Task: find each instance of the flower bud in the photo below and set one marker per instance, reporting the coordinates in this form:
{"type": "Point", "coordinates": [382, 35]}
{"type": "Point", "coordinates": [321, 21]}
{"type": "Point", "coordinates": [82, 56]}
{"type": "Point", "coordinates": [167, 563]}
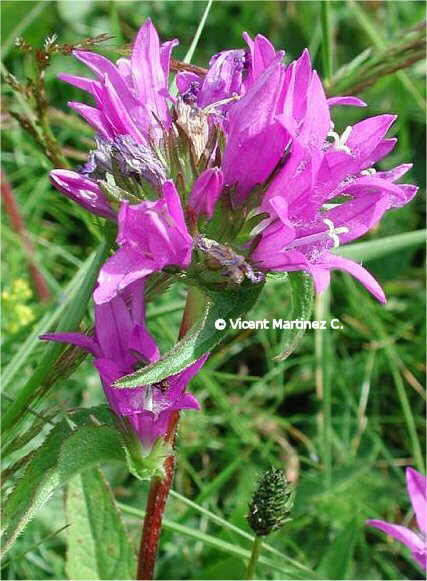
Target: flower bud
{"type": "Point", "coordinates": [83, 191]}
{"type": "Point", "coordinates": [271, 503]}
{"type": "Point", "coordinates": [206, 191]}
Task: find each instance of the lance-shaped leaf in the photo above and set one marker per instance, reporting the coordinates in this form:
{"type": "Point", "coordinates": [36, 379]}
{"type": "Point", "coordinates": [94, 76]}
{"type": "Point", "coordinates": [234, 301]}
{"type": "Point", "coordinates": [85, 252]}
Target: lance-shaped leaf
{"type": "Point", "coordinates": [97, 544]}
{"type": "Point", "coordinates": [301, 303]}
{"type": "Point", "coordinates": [85, 439]}
{"type": "Point", "coordinates": [202, 337]}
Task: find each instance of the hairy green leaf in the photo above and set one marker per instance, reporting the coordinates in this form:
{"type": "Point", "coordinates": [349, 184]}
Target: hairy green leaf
{"type": "Point", "coordinates": [201, 338]}
{"type": "Point", "coordinates": [98, 547]}
{"type": "Point", "coordinates": [84, 439]}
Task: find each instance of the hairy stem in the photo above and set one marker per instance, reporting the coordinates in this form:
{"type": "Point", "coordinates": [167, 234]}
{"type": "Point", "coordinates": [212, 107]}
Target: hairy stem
{"type": "Point", "coordinates": [156, 502]}
{"type": "Point", "coordinates": [160, 487]}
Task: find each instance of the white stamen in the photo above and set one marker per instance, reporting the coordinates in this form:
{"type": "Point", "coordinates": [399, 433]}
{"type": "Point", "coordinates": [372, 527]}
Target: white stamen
{"type": "Point", "coordinates": [346, 134]}
{"type": "Point", "coordinates": [333, 232]}
{"type": "Point", "coordinates": [334, 135]}
{"type": "Point", "coordinates": [340, 141]}
{"type": "Point", "coordinates": [368, 172]}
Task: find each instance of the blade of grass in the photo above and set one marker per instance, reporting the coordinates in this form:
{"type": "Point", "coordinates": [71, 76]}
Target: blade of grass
{"type": "Point", "coordinates": [323, 357]}
{"type": "Point", "coordinates": [392, 357]}
{"type": "Point", "coordinates": [32, 547]}
{"type": "Point", "coordinates": [189, 55]}
{"type": "Point", "coordinates": [327, 39]}
{"type": "Point", "coordinates": [373, 249]}
{"type": "Point", "coordinates": [222, 522]}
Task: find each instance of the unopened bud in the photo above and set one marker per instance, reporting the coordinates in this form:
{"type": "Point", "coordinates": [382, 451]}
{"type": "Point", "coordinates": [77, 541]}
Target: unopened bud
{"type": "Point", "coordinates": [271, 503]}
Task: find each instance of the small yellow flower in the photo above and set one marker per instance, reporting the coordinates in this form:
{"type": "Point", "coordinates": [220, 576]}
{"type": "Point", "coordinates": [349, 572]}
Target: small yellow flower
{"type": "Point", "coordinates": [16, 313]}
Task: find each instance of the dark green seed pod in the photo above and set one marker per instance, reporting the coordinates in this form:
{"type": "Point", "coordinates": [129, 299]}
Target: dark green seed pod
{"type": "Point", "coordinates": [271, 503]}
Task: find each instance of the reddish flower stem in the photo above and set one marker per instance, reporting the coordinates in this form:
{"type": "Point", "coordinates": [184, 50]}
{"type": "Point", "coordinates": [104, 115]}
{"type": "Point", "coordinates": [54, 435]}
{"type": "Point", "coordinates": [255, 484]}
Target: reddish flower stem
{"type": "Point", "coordinates": [157, 497]}
{"type": "Point", "coordinates": [159, 488]}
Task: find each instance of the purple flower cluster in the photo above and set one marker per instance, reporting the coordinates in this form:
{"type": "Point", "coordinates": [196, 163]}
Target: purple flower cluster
{"type": "Point", "coordinates": [244, 160]}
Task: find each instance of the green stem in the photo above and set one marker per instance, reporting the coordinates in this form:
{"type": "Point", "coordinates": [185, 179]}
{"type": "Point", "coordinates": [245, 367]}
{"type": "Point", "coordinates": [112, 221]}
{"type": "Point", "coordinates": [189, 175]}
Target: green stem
{"type": "Point", "coordinates": [256, 551]}
{"type": "Point", "coordinates": [323, 383]}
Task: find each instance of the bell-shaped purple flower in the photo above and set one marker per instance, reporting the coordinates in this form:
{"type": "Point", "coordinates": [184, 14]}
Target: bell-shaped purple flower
{"type": "Point", "coordinates": [415, 541]}
{"type": "Point", "coordinates": [151, 236]}
{"type": "Point", "coordinates": [327, 194]}
{"type": "Point", "coordinates": [120, 343]}
{"type": "Point", "coordinates": [206, 192]}
{"type": "Point", "coordinates": [256, 141]}
{"type": "Point", "coordinates": [131, 97]}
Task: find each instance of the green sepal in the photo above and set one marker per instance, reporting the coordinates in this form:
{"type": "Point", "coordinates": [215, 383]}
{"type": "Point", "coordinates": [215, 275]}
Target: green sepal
{"type": "Point", "coordinates": [116, 194]}
{"type": "Point", "coordinates": [145, 465]}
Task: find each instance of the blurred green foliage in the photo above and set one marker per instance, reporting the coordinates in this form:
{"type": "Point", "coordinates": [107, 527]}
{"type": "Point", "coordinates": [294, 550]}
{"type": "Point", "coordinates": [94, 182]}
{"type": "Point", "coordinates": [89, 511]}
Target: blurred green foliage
{"type": "Point", "coordinates": [255, 411]}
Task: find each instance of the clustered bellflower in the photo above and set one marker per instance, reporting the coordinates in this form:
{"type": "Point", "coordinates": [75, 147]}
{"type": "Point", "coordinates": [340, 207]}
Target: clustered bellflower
{"type": "Point", "coordinates": [416, 485]}
{"type": "Point", "coordinates": [122, 341]}
{"type": "Point", "coordinates": [239, 174]}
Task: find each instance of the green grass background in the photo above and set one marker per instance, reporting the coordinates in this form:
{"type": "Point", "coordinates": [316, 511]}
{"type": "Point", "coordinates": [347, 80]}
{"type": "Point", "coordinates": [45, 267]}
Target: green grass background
{"type": "Point", "coordinates": [336, 415]}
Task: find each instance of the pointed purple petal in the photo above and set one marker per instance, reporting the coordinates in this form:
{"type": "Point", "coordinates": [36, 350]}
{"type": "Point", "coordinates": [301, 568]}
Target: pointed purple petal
{"type": "Point", "coordinates": [206, 191]}
{"type": "Point", "coordinates": [359, 215]}
{"type": "Point", "coordinates": [262, 55]}
{"type": "Point", "coordinates": [165, 55]}
{"type": "Point", "coordinates": [351, 101]}
{"type": "Point", "coordinates": [256, 141]}
{"type": "Point", "coordinates": [394, 174]}
{"type": "Point", "coordinates": [149, 75]}
{"type": "Point", "coordinates": [331, 262]}
{"type": "Point", "coordinates": [402, 534]}
{"type": "Point", "coordinates": [94, 117]}
{"type": "Point", "coordinates": [113, 328]}
{"type": "Point", "coordinates": [188, 402]}
{"type": "Point", "coordinates": [142, 342]}
{"type": "Point", "coordinates": [101, 67]}
{"type": "Point", "coordinates": [78, 339]}
{"type": "Point", "coordinates": [118, 112]}
{"type": "Point", "coordinates": [82, 83]}
{"type": "Point", "coordinates": [366, 135]}
{"type": "Point", "coordinates": [417, 491]}
{"type": "Point", "coordinates": [124, 267]}
{"type": "Point", "coordinates": [383, 149]}
{"type": "Point", "coordinates": [317, 120]}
